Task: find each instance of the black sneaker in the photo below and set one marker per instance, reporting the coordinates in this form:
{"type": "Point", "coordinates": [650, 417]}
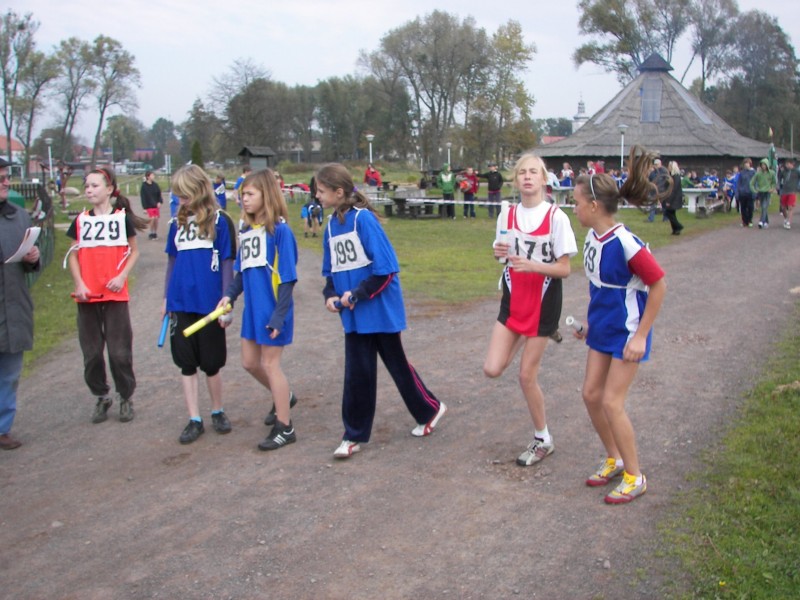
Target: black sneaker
{"type": "Point", "coordinates": [270, 420]}
{"type": "Point", "coordinates": [220, 422]}
{"type": "Point", "coordinates": [191, 432]}
{"type": "Point", "coordinates": [101, 409]}
{"type": "Point", "coordinates": [279, 436]}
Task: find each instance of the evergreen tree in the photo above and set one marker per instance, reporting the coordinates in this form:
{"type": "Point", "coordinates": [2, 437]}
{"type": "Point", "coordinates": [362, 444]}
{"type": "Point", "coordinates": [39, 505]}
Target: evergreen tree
{"type": "Point", "coordinates": [197, 154]}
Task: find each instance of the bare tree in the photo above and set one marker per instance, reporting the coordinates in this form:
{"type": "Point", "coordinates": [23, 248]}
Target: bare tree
{"type": "Point", "coordinates": [506, 94]}
{"type": "Point", "coordinates": [16, 46]}
{"type": "Point", "coordinates": [712, 36]}
{"type": "Point", "coordinates": [39, 73]}
{"type": "Point", "coordinates": [74, 84]}
{"type": "Point", "coordinates": [629, 31]}
{"type": "Point", "coordinates": [437, 56]}
{"type": "Point", "coordinates": [241, 74]}
{"type": "Point", "coordinates": [115, 75]}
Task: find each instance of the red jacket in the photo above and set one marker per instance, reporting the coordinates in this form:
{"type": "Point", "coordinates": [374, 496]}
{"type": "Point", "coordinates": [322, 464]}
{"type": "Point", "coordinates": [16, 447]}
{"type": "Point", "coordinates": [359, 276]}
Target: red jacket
{"type": "Point", "coordinates": [374, 175]}
{"type": "Point", "coordinates": [472, 183]}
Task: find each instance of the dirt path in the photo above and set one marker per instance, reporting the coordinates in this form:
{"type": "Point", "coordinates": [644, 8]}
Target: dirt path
{"type": "Point", "coordinates": [124, 511]}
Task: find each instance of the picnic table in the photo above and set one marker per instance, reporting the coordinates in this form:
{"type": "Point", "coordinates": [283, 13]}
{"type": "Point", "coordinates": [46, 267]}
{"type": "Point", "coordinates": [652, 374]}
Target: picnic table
{"type": "Point", "coordinates": [698, 200]}
{"type": "Point", "coordinates": [415, 208]}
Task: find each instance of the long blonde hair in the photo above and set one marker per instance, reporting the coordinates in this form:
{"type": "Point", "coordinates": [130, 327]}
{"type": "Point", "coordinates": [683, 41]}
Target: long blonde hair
{"type": "Point", "coordinates": [273, 206]}
{"type": "Point", "coordinates": [190, 181]}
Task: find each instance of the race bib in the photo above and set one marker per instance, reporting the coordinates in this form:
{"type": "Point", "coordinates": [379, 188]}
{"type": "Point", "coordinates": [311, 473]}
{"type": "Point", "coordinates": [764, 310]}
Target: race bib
{"type": "Point", "coordinates": [190, 238]}
{"type": "Point", "coordinates": [253, 248]}
{"type": "Point", "coordinates": [347, 253]}
{"type": "Point", "coordinates": [532, 247]}
{"type": "Point", "coordinates": [102, 230]}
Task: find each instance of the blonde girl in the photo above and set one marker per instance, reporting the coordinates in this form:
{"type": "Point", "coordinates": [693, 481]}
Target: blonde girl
{"type": "Point", "coordinates": [201, 247]}
{"type": "Point", "coordinates": [626, 289]}
{"type": "Point", "coordinates": [266, 266]}
{"type": "Point", "coordinates": [102, 255]}
{"type": "Point", "coordinates": [538, 247]}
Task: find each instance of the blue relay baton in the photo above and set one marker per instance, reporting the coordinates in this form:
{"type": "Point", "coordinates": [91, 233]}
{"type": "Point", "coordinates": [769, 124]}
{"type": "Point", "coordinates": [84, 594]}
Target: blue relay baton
{"type": "Point", "coordinates": [164, 328]}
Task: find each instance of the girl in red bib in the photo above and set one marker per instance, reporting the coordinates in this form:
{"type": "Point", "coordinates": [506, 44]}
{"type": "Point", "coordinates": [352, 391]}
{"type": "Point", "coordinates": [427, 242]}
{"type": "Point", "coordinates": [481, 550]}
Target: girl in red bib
{"type": "Point", "coordinates": [102, 255]}
{"type": "Point", "coordinates": [536, 241]}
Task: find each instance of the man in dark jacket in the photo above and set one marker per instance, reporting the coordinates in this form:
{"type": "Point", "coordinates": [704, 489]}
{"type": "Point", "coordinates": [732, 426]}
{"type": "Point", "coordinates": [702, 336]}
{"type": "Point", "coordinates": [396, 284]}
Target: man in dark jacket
{"type": "Point", "coordinates": [16, 307]}
{"type": "Point", "coordinates": [495, 180]}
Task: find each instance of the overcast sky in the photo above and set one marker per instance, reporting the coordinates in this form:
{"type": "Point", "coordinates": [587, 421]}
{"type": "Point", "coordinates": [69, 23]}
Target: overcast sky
{"type": "Point", "coordinates": [180, 45]}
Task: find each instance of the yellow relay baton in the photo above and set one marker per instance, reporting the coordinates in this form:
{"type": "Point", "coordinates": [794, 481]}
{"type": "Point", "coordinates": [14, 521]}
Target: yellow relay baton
{"type": "Point", "coordinates": [212, 316]}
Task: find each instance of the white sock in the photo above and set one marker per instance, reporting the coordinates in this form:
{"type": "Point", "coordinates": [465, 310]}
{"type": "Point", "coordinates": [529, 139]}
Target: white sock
{"type": "Point", "coordinates": [543, 435]}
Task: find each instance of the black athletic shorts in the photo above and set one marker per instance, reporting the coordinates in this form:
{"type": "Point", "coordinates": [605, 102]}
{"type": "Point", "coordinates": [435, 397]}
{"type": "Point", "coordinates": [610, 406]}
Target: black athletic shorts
{"type": "Point", "coordinates": [205, 349]}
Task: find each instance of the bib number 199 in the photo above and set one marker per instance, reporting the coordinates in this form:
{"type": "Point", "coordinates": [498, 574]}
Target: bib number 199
{"type": "Point", "coordinates": [345, 252]}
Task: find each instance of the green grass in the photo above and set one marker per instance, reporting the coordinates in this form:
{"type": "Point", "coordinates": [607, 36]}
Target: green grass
{"type": "Point", "coordinates": [54, 315]}
{"type": "Point", "coordinates": [736, 533]}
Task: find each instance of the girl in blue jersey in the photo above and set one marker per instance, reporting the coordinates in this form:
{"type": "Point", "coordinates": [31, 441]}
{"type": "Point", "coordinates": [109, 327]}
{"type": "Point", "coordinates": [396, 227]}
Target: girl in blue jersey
{"type": "Point", "coordinates": [266, 270]}
{"type": "Point", "coordinates": [362, 285]}
{"type": "Point", "coordinates": [626, 289]}
{"type": "Point", "coordinates": [201, 246]}
{"type": "Point", "coordinates": [537, 247]}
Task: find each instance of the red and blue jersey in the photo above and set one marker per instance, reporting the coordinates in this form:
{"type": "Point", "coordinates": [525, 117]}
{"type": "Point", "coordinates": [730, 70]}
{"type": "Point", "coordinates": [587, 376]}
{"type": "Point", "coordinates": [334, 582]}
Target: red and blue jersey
{"type": "Point", "coordinates": [620, 269]}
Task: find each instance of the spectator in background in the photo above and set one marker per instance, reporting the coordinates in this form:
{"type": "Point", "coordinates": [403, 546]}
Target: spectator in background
{"type": "Point", "coordinates": [237, 187]}
{"type": "Point", "coordinates": [789, 183]}
{"type": "Point", "coordinates": [674, 202]}
{"type": "Point", "coordinates": [744, 195]}
{"type": "Point", "coordinates": [657, 173]}
{"type": "Point", "coordinates": [150, 195]}
{"type": "Point", "coordinates": [762, 185]}
{"type": "Point", "coordinates": [447, 183]}
{"type": "Point", "coordinates": [372, 177]}
{"type": "Point", "coordinates": [566, 175]}
{"type": "Point", "coordinates": [470, 188]}
{"type": "Point", "coordinates": [495, 180]}
{"type": "Point", "coordinates": [16, 328]}
{"type": "Point", "coordinates": [220, 192]}
{"type": "Point", "coordinates": [64, 173]}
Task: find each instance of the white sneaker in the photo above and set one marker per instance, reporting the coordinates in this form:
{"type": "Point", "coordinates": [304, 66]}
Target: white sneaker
{"type": "Point", "coordinates": [424, 429]}
{"type": "Point", "coordinates": [766, 225]}
{"type": "Point", "coordinates": [787, 225]}
{"type": "Point", "coordinates": [536, 451]}
{"type": "Point", "coordinates": [346, 449]}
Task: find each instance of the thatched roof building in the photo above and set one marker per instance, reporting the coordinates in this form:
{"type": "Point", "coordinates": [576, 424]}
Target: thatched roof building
{"type": "Point", "coordinates": [656, 111]}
